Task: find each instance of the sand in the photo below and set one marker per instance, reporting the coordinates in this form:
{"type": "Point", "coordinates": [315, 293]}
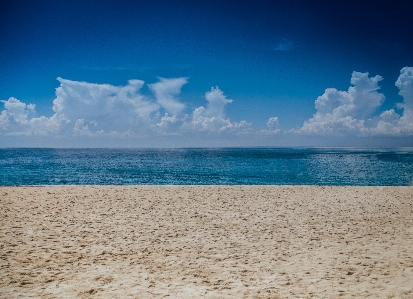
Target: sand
{"type": "Point", "coordinates": [206, 242]}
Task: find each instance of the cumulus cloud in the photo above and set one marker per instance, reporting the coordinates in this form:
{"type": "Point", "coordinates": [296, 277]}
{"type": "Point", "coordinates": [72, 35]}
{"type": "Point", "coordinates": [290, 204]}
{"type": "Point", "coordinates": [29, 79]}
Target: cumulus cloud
{"type": "Point", "coordinates": [15, 115]}
{"type": "Point", "coordinates": [351, 112]}
{"type": "Point", "coordinates": [89, 109]}
{"type": "Point", "coordinates": [166, 91]}
{"type": "Point", "coordinates": [212, 118]}
{"type": "Point", "coordinates": [343, 111]}
{"type": "Point", "coordinates": [19, 118]}
{"type": "Point", "coordinates": [170, 125]}
{"type": "Point", "coordinates": [391, 123]}
{"type": "Point", "coordinates": [98, 108]}
{"type": "Point", "coordinates": [272, 125]}
{"type": "Point", "coordinates": [405, 85]}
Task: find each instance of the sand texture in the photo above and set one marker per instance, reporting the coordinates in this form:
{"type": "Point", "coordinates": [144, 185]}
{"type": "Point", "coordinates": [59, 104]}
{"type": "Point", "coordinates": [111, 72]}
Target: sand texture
{"type": "Point", "coordinates": [206, 242]}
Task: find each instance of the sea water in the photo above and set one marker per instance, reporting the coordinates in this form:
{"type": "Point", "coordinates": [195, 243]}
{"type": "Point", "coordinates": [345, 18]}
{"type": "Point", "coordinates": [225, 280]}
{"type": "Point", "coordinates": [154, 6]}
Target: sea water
{"type": "Point", "coordinates": [206, 166]}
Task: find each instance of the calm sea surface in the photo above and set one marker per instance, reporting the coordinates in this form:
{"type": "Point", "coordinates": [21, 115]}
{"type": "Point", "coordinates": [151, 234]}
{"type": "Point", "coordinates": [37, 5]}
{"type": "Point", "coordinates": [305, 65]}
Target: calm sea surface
{"type": "Point", "coordinates": [223, 166]}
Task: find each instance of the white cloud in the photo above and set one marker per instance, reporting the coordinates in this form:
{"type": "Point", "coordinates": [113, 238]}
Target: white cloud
{"type": "Point", "coordinates": [19, 118]}
{"type": "Point", "coordinates": [103, 108]}
{"type": "Point", "coordinates": [170, 125]}
{"type": "Point", "coordinates": [166, 91]}
{"type": "Point", "coordinates": [89, 109]}
{"type": "Point", "coordinates": [405, 84]}
{"type": "Point", "coordinates": [18, 111]}
{"type": "Point", "coordinates": [359, 101]}
{"type": "Point", "coordinates": [364, 96]}
{"type": "Point", "coordinates": [272, 125]}
{"type": "Point", "coordinates": [391, 123]}
{"type": "Point", "coordinates": [212, 119]}
{"type": "Point", "coordinates": [351, 112]}
{"type": "Point", "coordinates": [216, 103]}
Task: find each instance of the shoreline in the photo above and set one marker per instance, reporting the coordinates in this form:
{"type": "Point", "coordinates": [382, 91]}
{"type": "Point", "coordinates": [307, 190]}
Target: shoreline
{"type": "Point", "coordinates": [198, 186]}
{"type": "Point", "coordinates": [210, 241]}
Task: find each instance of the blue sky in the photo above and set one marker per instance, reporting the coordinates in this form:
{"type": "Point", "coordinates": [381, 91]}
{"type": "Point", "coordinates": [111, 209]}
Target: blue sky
{"type": "Point", "coordinates": [206, 73]}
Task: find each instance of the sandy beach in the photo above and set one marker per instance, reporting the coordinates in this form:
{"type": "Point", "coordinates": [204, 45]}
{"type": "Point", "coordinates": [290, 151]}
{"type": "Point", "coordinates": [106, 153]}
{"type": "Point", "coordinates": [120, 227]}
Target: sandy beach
{"type": "Point", "coordinates": [206, 242]}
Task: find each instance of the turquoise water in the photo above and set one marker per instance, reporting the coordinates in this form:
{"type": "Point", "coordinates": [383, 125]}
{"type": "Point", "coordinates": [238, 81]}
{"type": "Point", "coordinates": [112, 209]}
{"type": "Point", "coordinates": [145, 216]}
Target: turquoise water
{"type": "Point", "coordinates": [221, 166]}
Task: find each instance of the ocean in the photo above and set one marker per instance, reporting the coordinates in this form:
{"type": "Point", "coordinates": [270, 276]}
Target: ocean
{"type": "Point", "coordinates": [207, 166]}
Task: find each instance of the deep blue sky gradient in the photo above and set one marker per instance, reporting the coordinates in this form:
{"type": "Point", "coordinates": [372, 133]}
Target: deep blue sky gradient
{"type": "Point", "coordinates": [270, 57]}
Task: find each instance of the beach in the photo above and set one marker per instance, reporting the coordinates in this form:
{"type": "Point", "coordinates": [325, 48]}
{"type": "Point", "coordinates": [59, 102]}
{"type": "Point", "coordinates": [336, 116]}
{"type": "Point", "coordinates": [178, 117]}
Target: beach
{"type": "Point", "coordinates": [206, 242]}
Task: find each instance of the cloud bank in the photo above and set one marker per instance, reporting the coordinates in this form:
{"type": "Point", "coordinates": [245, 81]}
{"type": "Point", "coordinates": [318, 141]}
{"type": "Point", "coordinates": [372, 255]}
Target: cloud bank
{"type": "Point", "coordinates": [88, 109]}
{"type": "Point", "coordinates": [98, 110]}
{"type": "Point", "coordinates": [351, 112]}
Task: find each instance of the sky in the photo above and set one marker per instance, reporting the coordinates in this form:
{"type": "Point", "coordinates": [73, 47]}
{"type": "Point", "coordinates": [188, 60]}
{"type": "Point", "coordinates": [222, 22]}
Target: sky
{"type": "Point", "coordinates": [206, 73]}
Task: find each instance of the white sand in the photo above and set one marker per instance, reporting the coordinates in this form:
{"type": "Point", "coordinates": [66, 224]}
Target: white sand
{"type": "Point", "coordinates": [209, 242]}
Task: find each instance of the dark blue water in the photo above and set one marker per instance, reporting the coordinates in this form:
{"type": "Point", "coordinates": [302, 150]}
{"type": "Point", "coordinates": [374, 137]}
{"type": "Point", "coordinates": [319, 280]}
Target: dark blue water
{"type": "Point", "coordinates": [224, 166]}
